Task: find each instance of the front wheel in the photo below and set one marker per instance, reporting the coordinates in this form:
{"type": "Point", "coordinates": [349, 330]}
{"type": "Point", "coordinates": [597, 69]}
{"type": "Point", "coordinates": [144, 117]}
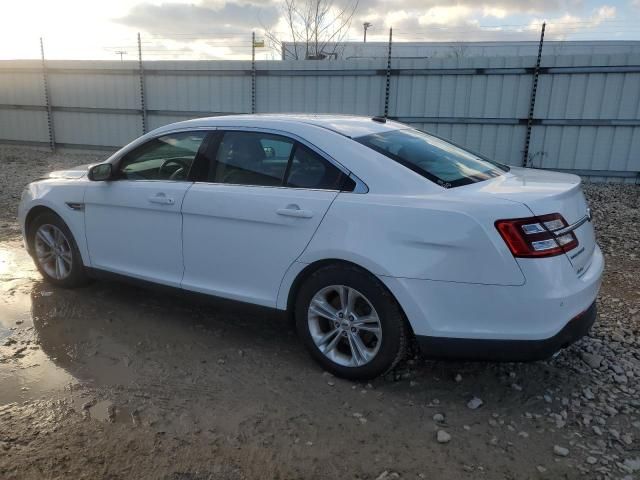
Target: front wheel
{"type": "Point", "coordinates": [350, 323]}
{"type": "Point", "coordinates": [55, 251]}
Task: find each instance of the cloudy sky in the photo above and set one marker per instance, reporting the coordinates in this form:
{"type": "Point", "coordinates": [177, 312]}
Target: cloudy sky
{"type": "Point", "coordinates": [193, 29]}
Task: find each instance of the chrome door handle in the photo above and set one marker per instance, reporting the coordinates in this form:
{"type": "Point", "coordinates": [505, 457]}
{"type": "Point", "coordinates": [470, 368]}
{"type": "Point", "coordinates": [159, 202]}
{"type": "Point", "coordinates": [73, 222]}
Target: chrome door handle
{"type": "Point", "coordinates": [294, 211]}
{"type": "Point", "coordinates": [162, 199]}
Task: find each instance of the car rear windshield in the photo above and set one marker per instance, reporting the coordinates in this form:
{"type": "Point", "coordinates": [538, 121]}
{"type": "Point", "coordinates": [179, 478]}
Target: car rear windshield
{"type": "Point", "coordinates": [433, 158]}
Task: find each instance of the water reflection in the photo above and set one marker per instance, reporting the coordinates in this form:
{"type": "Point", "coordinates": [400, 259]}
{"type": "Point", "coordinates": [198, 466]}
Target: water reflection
{"type": "Point", "coordinates": [26, 372]}
{"type": "Point", "coordinates": [110, 336]}
{"type": "Point", "coordinates": [75, 328]}
{"type": "Point", "coordinates": [46, 341]}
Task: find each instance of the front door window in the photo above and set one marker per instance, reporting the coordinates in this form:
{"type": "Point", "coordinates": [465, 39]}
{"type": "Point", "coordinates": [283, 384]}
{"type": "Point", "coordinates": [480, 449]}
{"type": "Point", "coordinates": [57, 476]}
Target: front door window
{"type": "Point", "coordinates": [164, 158]}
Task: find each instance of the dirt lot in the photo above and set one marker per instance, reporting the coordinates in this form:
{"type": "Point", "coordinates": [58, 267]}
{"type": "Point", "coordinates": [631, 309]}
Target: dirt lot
{"type": "Point", "coordinates": [115, 382]}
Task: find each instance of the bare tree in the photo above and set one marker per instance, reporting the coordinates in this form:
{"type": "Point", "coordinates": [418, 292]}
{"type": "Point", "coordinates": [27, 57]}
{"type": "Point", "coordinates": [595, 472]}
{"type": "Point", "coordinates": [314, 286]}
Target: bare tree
{"type": "Point", "coordinates": [458, 51]}
{"type": "Point", "coordinates": [316, 27]}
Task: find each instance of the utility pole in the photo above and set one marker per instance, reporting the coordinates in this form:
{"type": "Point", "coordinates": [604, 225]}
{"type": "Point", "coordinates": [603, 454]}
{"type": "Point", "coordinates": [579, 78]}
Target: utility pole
{"type": "Point", "coordinates": [121, 53]}
{"type": "Point", "coordinates": [253, 72]}
{"type": "Point", "coordinates": [532, 101]}
{"type": "Point", "coordinates": [47, 99]}
{"type": "Point", "coordinates": [143, 101]}
{"type": "Point", "coordinates": [388, 86]}
{"type": "Point", "coordinates": [367, 26]}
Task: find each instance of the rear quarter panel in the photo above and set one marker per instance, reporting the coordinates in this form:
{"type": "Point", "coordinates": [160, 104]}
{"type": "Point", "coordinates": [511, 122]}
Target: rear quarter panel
{"type": "Point", "coordinates": [441, 237]}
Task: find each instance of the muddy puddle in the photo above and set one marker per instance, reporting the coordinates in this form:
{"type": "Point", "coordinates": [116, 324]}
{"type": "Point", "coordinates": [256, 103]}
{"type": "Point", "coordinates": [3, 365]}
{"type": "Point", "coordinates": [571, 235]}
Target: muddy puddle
{"type": "Point", "coordinates": [26, 371]}
{"type": "Point", "coordinates": [123, 366]}
{"type": "Point", "coordinates": [118, 353]}
{"type": "Point", "coordinates": [46, 346]}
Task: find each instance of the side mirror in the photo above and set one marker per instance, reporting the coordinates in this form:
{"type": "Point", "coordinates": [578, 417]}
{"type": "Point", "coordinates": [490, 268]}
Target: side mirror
{"type": "Point", "coordinates": [100, 173]}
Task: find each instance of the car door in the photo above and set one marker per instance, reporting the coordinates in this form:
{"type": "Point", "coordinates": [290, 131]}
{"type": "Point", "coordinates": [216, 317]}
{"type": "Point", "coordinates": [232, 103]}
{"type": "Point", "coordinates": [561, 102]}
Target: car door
{"type": "Point", "coordinates": [133, 222]}
{"type": "Point", "coordinates": [261, 201]}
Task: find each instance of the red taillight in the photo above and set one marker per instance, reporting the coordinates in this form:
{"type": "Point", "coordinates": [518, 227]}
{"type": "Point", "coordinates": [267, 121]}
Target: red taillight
{"type": "Point", "coordinates": [534, 237]}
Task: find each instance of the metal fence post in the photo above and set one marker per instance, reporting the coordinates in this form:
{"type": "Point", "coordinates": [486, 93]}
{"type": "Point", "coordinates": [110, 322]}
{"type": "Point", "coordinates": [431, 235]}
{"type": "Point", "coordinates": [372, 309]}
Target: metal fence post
{"type": "Point", "coordinates": [47, 99]}
{"type": "Point", "coordinates": [143, 101]}
{"type": "Point", "coordinates": [532, 100]}
{"type": "Point", "coordinates": [253, 72]}
{"type": "Point", "coordinates": [388, 87]}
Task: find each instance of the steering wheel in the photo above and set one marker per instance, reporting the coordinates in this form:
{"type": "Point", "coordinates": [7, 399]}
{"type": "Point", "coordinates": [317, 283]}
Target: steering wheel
{"type": "Point", "coordinates": [183, 167]}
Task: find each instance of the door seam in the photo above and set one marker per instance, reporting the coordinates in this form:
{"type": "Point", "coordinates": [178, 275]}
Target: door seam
{"type": "Point", "coordinates": [184, 268]}
{"type": "Point", "coordinates": [84, 226]}
{"type": "Point", "coordinates": [305, 247]}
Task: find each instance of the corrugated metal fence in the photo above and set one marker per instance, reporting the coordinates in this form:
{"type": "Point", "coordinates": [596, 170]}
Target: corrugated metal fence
{"type": "Point", "coordinates": [586, 117]}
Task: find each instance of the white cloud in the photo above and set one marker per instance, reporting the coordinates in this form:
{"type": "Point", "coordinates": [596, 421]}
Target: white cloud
{"type": "Point", "coordinates": [503, 7]}
{"type": "Point", "coordinates": [494, 12]}
{"type": "Point", "coordinates": [562, 27]}
{"type": "Point", "coordinates": [222, 28]}
{"type": "Point", "coordinates": [445, 15]}
{"type": "Point", "coordinates": [426, 20]}
{"type": "Point", "coordinates": [462, 22]}
{"type": "Point", "coordinates": [208, 29]}
{"type": "Point", "coordinates": [208, 16]}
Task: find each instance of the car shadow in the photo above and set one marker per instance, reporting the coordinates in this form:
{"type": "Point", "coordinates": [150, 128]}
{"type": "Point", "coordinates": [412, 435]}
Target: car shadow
{"type": "Point", "coordinates": [112, 332]}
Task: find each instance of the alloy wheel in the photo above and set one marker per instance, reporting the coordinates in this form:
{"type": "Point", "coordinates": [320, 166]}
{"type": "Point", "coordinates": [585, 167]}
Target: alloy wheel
{"type": "Point", "coordinates": [53, 251]}
{"type": "Point", "coordinates": [344, 326]}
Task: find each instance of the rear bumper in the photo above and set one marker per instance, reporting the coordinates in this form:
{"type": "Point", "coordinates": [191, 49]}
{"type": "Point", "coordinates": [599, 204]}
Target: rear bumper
{"type": "Point", "coordinates": [536, 311]}
{"type": "Point", "coordinates": [508, 350]}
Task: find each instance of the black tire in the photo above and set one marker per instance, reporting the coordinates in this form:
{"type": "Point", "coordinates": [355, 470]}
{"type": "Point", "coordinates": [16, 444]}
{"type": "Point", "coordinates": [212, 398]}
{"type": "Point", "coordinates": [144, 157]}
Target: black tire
{"type": "Point", "coordinates": [77, 276]}
{"type": "Point", "coordinates": [394, 327]}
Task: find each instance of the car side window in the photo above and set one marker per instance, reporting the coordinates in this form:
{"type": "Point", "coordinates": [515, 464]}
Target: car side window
{"type": "Point", "coordinates": [164, 158]}
{"type": "Point", "coordinates": [251, 158]}
{"type": "Point", "coordinates": [310, 170]}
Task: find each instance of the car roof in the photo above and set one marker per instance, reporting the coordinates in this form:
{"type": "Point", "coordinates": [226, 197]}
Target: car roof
{"type": "Point", "coordinates": [351, 126]}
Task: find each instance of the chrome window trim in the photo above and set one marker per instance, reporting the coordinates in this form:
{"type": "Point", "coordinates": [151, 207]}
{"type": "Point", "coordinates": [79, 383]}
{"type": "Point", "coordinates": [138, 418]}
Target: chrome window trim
{"type": "Point", "coordinates": [117, 157]}
{"type": "Point", "coordinates": [268, 186]}
{"type": "Point", "coordinates": [360, 187]}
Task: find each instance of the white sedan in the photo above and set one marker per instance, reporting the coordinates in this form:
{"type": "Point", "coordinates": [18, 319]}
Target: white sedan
{"type": "Point", "coordinates": [368, 232]}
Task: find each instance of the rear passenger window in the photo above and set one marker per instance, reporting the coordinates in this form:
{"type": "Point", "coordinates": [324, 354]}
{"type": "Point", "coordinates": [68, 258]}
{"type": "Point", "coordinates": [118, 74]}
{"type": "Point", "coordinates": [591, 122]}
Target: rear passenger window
{"type": "Point", "coordinates": [250, 158]}
{"type": "Point", "coordinates": [267, 160]}
{"type": "Point", "coordinates": [310, 170]}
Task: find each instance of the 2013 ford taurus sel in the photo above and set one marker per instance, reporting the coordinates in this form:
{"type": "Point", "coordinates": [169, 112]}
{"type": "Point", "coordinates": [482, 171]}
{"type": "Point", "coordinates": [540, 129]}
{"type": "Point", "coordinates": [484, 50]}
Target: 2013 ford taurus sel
{"type": "Point", "coordinates": [369, 232]}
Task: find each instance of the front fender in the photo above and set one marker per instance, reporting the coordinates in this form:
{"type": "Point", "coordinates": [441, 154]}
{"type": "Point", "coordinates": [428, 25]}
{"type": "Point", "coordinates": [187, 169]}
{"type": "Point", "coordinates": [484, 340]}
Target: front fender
{"type": "Point", "coordinates": [42, 194]}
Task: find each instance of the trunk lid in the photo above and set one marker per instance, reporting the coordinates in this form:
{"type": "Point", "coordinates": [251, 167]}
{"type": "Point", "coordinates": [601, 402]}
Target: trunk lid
{"type": "Point", "coordinates": [545, 192]}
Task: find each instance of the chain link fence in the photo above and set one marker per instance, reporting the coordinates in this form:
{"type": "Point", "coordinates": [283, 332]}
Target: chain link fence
{"type": "Point", "coordinates": [573, 112]}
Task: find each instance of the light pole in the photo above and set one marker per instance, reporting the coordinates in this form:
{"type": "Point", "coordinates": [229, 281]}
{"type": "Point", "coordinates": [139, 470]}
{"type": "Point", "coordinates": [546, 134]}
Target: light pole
{"type": "Point", "coordinates": [121, 53]}
{"type": "Point", "coordinates": [366, 26]}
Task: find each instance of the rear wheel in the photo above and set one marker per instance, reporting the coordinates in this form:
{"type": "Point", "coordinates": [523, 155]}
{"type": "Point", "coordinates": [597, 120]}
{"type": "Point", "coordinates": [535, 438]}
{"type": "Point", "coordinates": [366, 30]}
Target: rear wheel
{"type": "Point", "coordinates": [350, 323]}
{"type": "Point", "coordinates": [55, 251]}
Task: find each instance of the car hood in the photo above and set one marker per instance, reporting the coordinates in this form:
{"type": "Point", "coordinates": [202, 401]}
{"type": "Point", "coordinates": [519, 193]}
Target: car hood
{"type": "Point", "coordinates": [71, 173]}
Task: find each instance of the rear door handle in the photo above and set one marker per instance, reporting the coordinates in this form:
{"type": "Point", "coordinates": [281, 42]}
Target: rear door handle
{"type": "Point", "coordinates": [162, 199]}
{"type": "Point", "coordinates": [294, 211]}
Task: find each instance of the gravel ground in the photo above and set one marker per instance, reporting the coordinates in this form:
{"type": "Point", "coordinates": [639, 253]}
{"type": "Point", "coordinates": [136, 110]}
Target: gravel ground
{"type": "Point", "coordinates": [115, 382]}
{"type": "Point", "coordinates": [18, 167]}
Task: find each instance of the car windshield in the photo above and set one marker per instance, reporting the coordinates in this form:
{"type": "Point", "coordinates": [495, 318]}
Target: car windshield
{"type": "Point", "coordinates": [433, 158]}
